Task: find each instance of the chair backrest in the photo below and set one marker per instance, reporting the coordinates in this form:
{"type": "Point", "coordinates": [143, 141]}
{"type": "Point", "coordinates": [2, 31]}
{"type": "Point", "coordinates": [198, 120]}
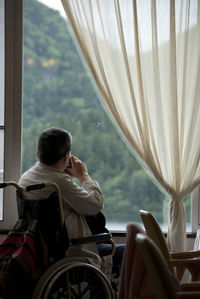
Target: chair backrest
{"type": "Point", "coordinates": [134, 279]}
{"type": "Point", "coordinates": [154, 232]}
{"type": "Point", "coordinates": [164, 283]}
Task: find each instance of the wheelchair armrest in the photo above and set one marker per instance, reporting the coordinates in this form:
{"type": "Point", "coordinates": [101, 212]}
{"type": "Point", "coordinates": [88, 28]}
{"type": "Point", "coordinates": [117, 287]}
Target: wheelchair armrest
{"type": "Point", "coordinates": [92, 239]}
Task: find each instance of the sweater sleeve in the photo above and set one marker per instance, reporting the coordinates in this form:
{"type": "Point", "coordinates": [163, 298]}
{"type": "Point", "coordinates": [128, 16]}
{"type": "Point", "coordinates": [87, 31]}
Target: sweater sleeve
{"type": "Point", "coordinates": [86, 199]}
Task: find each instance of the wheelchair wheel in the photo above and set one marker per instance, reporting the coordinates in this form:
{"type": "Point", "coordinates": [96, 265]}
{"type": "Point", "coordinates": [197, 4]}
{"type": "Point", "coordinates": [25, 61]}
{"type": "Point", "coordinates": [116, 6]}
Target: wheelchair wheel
{"type": "Point", "coordinates": [73, 280]}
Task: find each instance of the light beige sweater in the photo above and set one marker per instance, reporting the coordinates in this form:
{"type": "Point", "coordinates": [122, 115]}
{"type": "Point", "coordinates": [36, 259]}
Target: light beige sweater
{"type": "Point", "coordinates": [78, 201]}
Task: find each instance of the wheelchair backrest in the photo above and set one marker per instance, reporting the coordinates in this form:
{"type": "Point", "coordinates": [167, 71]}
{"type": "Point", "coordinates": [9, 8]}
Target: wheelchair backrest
{"type": "Point", "coordinates": [47, 212]}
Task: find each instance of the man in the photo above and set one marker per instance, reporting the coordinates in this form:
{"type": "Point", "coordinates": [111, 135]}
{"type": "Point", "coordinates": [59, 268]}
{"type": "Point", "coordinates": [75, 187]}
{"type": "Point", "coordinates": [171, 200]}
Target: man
{"type": "Point", "coordinates": [53, 153]}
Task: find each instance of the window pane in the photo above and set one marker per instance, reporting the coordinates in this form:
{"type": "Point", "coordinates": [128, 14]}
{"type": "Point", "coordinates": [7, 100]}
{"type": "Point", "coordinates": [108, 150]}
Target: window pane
{"type": "Point", "coordinates": [57, 92]}
{"type": "Point", "coordinates": [1, 151]}
{"type": "Point", "coordinates": [1, 171]}
{"type": "Point", "coordinates": [2, 99]}
{"type": "Point", "coordinates": [2, 59]}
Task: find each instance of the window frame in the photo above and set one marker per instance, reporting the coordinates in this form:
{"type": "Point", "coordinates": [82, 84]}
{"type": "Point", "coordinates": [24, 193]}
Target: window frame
{"type": "Point", "coordinates": [13, 107]}
{"type": "Point", "coordinates": [195, 210]}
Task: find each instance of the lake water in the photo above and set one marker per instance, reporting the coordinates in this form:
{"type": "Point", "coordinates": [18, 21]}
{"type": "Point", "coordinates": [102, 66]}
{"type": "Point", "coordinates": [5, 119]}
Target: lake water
{"type": "Point", "coordinates": [119, 226]}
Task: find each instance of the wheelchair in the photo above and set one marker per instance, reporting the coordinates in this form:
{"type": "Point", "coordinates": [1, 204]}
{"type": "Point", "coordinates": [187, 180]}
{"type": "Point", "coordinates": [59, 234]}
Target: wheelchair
{"type": "Point", "coordinates": [61, 276]}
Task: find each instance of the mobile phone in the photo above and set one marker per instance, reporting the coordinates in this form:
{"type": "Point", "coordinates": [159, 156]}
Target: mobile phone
{"type": "Point", "coordinates": [69, 163]}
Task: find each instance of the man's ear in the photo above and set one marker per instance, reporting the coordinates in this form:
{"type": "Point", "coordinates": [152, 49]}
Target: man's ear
{"type": "Point", "coordinates": [66, 157]}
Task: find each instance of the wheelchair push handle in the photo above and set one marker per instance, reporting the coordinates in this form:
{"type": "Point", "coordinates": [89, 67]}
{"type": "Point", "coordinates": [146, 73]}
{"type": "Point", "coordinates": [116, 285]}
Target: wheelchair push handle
{"type": "Point", "coordinates": [9, 183]}
{"type": "Point", "coordinates": [3, 185]}
{"type": "Point", "coordinates": [35, 187]}
{"type": "Point", "coordinates": [41, 186]}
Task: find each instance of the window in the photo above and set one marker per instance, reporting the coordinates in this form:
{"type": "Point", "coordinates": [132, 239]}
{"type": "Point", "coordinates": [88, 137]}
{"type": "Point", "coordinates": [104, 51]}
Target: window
{"type": "Point", "coordinates": [10, 101]}
{"type": "Point", "coordinates": [57, 92]}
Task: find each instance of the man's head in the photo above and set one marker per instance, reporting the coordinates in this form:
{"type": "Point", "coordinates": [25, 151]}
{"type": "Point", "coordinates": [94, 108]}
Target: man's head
{"type": "Point", "coordinates": [53, 145]}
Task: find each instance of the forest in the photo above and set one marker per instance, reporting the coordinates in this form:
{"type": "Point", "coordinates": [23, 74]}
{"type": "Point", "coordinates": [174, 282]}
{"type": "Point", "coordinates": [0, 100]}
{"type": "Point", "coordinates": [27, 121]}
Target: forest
{"type": "Point", "coordinates": [58, 92]}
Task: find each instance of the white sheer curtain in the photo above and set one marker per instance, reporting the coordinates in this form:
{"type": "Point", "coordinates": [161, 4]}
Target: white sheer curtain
{"type": "Point", "coordinates": [145, 59]}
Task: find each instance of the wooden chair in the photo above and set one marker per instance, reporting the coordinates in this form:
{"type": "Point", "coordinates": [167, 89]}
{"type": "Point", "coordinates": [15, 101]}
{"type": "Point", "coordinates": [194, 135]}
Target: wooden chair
{"type": "Point", "coordinates": [178, 262]}
{"type": "Point", "coordinates": [163, 282]}
{"type": "Point", "coordinates": [134, 279]}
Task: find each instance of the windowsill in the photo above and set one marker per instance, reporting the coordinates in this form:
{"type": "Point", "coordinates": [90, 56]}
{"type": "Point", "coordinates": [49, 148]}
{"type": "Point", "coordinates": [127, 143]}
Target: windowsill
{"type": "Point", "coordinates": [123, 234]}
{"type": "Point", "coordinates": [114, 233]}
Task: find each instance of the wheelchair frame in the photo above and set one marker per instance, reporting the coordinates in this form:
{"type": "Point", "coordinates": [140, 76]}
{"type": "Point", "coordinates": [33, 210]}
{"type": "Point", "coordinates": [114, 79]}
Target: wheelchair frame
{"type": "Point", "coordinates": [70, 277]}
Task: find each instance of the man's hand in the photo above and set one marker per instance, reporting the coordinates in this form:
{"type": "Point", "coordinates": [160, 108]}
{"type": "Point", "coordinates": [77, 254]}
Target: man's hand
{"type": "Point", "coordinates": [78, 170]}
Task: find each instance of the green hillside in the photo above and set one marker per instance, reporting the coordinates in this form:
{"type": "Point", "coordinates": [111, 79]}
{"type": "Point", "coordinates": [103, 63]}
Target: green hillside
{"type": "Point", "coordinates": [57, 92]}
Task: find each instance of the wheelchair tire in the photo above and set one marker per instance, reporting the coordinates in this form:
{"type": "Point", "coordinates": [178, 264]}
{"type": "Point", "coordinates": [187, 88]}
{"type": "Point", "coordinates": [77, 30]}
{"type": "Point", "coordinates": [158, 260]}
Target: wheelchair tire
{"type": "Point", "coordinates": [73, 280]}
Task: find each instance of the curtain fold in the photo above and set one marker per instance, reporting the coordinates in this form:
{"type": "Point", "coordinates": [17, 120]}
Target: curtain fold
{"type": "Point", "coordinates": [144, 57]}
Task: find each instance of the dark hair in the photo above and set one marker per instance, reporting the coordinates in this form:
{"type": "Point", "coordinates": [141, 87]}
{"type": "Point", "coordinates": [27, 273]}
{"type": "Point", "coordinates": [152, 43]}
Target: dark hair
{"type": "Point", "coordinates": [53, 144]}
